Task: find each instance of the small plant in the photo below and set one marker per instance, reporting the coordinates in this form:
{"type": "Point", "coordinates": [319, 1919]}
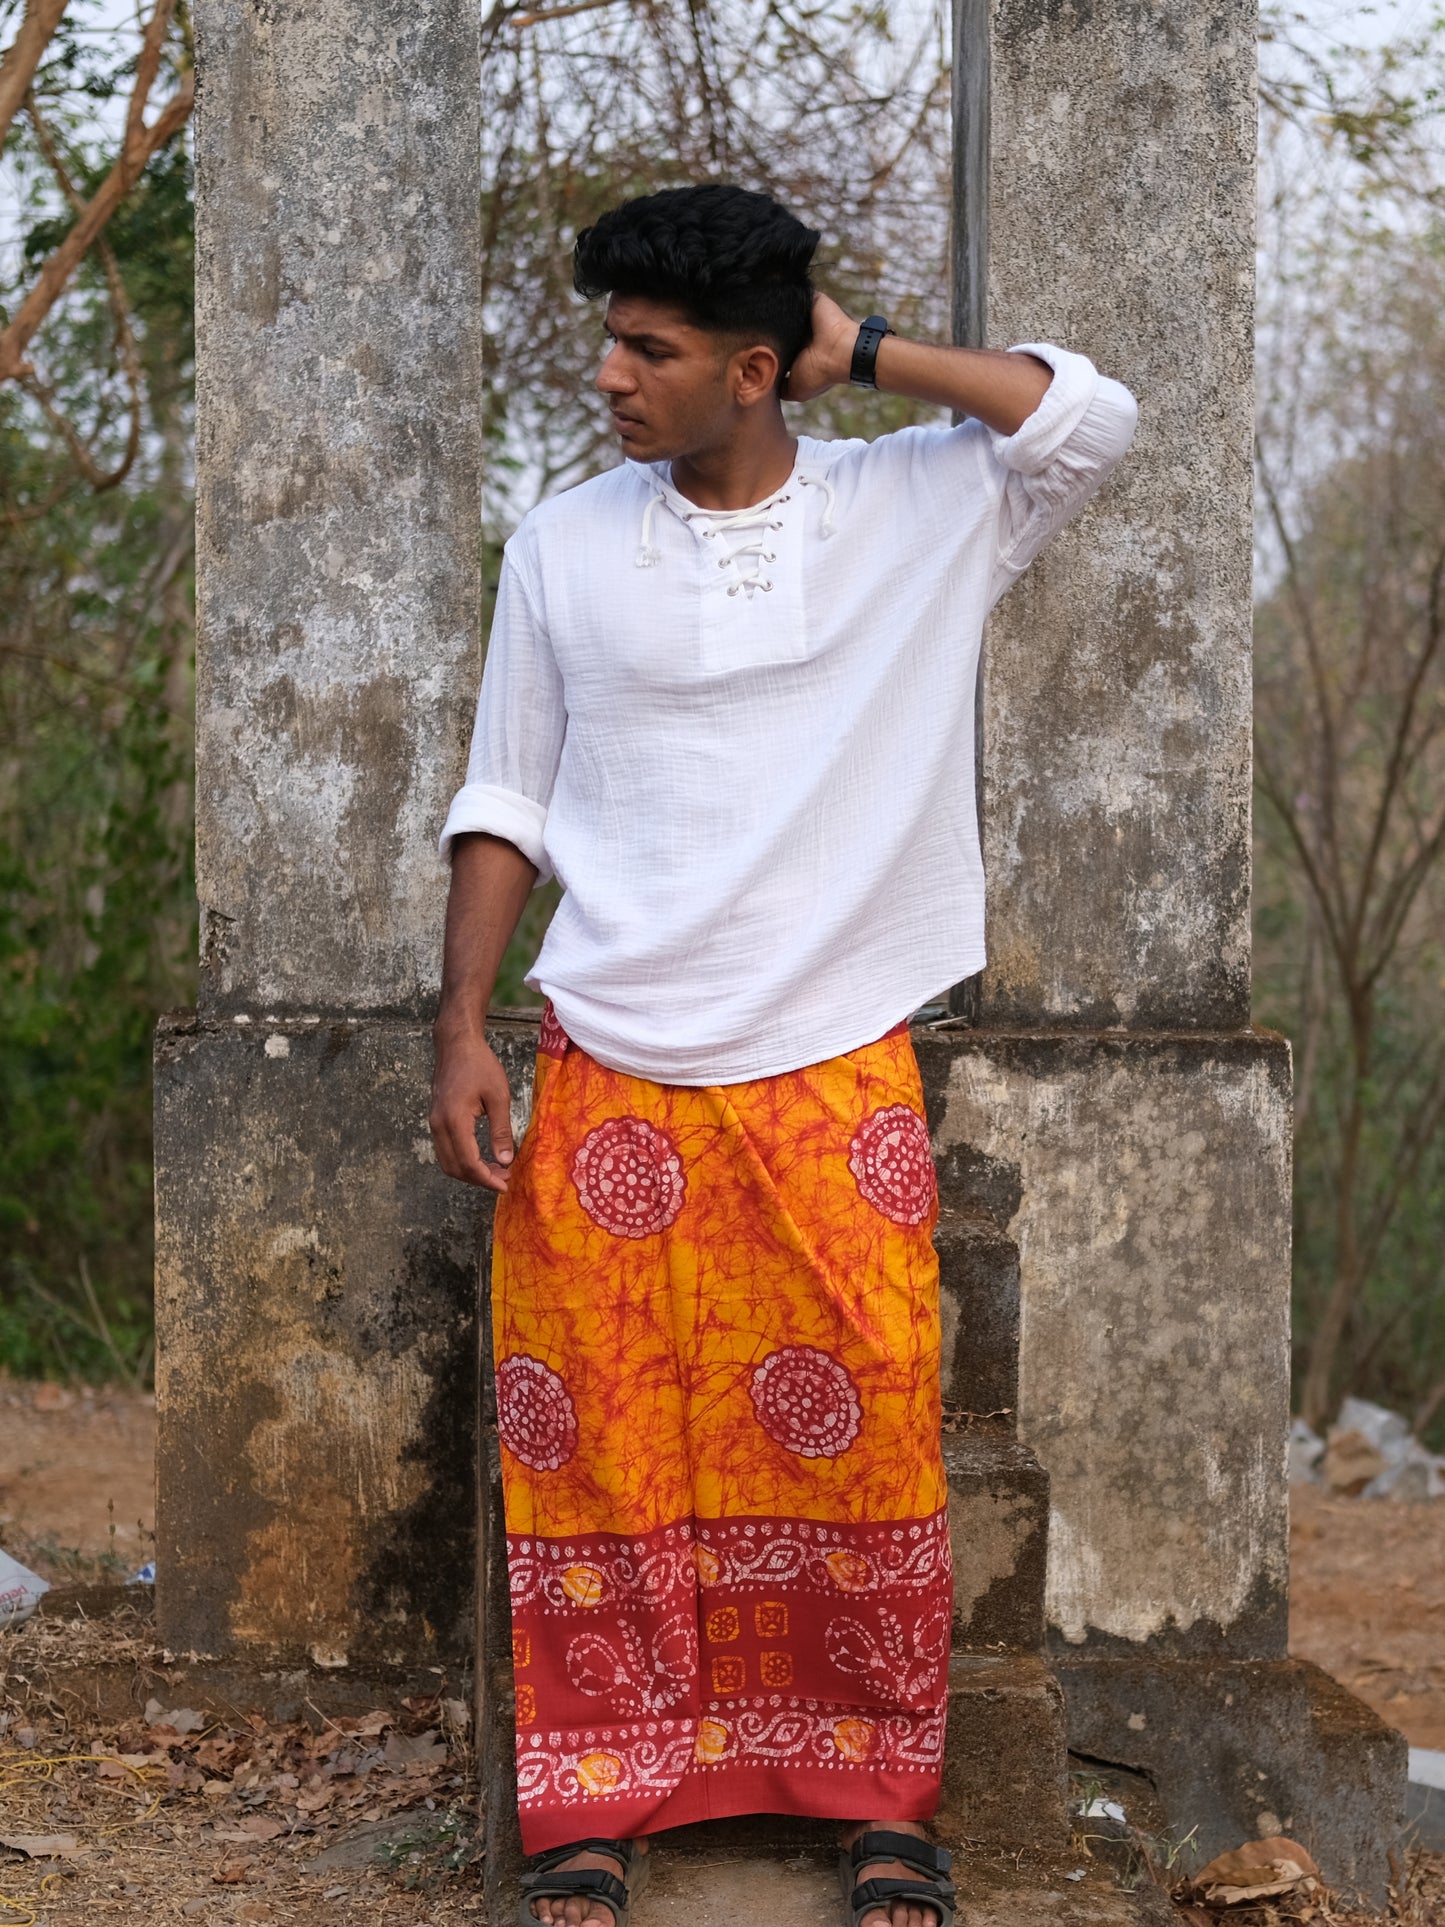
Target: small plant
{"type": "Point", "coordinates": [437, 1845]}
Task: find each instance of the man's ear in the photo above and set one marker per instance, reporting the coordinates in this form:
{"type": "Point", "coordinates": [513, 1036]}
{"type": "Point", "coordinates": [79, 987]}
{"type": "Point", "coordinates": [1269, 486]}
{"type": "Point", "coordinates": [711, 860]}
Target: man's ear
{"type": "Point", "coordinates": [754, 373]}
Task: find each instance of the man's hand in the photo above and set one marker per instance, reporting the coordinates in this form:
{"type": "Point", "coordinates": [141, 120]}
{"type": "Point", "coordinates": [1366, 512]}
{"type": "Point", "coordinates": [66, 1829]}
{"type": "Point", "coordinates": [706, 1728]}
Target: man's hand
{"type": "Point", "coordinates": [828, 357]}
{"type": "Point", "coordinates": [491, 881]}
{"type": "Point", "coordinates": [469, 1082]}
{"type": "Point", "coordinates": [1002, 389]}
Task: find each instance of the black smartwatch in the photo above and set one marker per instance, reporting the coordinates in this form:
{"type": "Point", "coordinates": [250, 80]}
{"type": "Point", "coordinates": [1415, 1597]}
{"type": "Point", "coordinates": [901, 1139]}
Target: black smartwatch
{"type": "Point", "coordinates": [865, 351]}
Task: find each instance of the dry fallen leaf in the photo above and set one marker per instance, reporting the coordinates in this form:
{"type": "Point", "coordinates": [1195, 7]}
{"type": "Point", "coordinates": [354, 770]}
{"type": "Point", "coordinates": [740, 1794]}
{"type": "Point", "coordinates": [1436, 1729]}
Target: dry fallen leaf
{"type": "Point", "coordinates": [426, 1749]}
{"type": "Point", "coordinates": [259, 1827]}
{"type": "Point", "coordinates": [1255, 1871]}
{"type": "Point", "coordinates": [254, 1827]}
{"type": "Point", "coordinates": [40, 1846]}
{"type": "Point", "coordinates": [180, 1719]}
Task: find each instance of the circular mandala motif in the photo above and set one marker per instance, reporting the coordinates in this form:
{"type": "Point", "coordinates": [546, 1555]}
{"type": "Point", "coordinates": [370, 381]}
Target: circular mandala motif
{"type": "Point", "coordinates": [535, 1413]}
{"type": "Point", "coordinates": [807, 1401]}
{"type": "Point", "coordinates": [892, 1164]}
{"type": "Point", "coordinates": [552, 1040]}
{"type": "Point", "coordinates": [629, 1178]}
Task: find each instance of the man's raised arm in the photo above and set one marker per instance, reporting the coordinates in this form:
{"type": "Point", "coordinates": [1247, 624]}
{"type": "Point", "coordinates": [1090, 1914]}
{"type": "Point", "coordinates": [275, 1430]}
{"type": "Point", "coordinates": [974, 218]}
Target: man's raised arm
{"type": "Point", "coordinates": [1000, 389]}
{"type": "Point", "coordinates": [491, 881]}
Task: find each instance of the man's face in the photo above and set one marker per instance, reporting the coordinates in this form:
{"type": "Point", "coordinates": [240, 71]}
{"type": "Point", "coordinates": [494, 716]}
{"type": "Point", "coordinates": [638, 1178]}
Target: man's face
{"type": "Point", "coordinates": [673, 388]}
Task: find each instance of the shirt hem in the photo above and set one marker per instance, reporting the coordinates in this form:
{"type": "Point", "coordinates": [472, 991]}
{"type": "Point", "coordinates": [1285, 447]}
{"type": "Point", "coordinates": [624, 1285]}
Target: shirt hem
{"type": "Point", "coordinates": [723, 1070]}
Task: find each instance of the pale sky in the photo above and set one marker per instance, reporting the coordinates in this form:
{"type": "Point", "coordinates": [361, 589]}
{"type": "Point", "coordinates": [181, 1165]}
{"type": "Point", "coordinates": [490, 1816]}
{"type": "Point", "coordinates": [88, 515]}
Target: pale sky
{"type": "Point", "coordinates": [1350, 21]}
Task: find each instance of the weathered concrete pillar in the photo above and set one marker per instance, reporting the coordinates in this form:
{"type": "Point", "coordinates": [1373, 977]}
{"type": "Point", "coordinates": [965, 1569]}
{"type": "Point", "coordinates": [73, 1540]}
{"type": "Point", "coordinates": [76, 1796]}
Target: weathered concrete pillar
{"type": "Point", "coordinates": [1106, 188]}
{"type": "Point", "coordinates": [316, 1274]}
{"type": "Point", "coordinates": [1102, 1093]}
{"type": "Point", "coordinates": [1116, 715]}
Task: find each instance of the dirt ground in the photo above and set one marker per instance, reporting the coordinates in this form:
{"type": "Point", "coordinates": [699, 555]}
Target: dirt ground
{"type": "Point", "coordinates": [77, 1502]}
{"type": "Point", "coordinates": [77, 1480]}
{"type": "Point", "coordinates": [171, 1818]}
{"type": "Point", "coordinates": [1367, 1603]}
{"type": "Point", "coordinates": [178, 1818]}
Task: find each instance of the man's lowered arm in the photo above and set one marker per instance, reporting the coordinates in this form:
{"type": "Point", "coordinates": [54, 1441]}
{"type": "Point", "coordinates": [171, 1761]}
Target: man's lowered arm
{"type": "Point", "coordinates": [491, 881]}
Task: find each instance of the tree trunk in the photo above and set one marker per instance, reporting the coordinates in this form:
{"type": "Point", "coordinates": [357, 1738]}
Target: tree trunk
{"type": "Point", "coordinates": [1315, 1399]}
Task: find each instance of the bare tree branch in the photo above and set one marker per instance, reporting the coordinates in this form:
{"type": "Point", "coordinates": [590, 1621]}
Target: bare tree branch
{"type": "Point", "coordinates": [140, 143]}
{"type": "Point", "coordinates": [125, 343]}
{"type": "Point", "coordinates": [558, 13]}
{"type": "Point", "coordinates": [1319, 680]}
{"type": "Point", "coordinates": [24, 55]}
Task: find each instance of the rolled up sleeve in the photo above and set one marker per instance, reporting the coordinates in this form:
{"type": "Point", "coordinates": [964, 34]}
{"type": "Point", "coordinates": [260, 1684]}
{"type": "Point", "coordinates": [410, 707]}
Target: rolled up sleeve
{"type": "Point", "coordinates": [520, 725]}
{"type": "Point", "coordinates": [1058, 458]}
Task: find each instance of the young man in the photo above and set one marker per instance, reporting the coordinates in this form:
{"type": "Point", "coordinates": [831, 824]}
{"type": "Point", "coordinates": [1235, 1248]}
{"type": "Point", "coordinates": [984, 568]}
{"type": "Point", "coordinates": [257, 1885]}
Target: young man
{"type": "Point", "coordinates": [728, 701]}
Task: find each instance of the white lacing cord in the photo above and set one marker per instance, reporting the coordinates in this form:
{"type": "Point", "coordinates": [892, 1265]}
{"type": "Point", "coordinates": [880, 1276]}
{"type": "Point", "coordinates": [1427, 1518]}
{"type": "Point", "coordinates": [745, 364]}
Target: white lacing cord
{"type": "Point", "coordinates": [719, 522]}
{"type": "Point", "coordinates": [760, 520]}
{"type": "Point", "coordinates": [825, 527]}
{"type": "Point", "coordinates": [647, 555]}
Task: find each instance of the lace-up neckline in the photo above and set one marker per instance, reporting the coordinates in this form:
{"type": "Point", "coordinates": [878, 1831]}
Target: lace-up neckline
{"type": "Point", "coordinates": [750, 558]}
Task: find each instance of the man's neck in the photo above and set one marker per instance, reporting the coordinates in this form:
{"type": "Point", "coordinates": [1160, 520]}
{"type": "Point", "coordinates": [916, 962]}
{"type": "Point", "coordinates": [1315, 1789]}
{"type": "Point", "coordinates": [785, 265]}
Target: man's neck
{"type": "Point", "coordinates": [740, 474]}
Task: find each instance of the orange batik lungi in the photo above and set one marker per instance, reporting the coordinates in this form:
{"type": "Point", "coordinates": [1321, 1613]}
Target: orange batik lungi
{"type": "Point", "coordinates": [715, 1321]}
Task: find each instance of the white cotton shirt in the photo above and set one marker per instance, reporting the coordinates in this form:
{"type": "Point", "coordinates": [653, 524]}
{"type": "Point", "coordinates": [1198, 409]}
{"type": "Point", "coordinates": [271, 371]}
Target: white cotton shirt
{"type": "Point", "coordinates": [743, 741]}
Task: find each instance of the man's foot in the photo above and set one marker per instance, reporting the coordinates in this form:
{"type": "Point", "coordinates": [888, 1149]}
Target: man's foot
{"type": "Point", "coordinates": [578, 1909]}
{"type": "Point", "coordinates": [893, 1913]}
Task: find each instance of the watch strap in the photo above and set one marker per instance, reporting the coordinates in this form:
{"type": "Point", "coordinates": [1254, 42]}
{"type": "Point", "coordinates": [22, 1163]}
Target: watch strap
{"type": "Point", "coordinates": [865, 351]}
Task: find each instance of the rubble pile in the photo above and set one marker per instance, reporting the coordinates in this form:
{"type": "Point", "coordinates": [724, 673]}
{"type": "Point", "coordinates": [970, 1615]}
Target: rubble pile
{"type": "Point", "coordinates": [1368, 1453]}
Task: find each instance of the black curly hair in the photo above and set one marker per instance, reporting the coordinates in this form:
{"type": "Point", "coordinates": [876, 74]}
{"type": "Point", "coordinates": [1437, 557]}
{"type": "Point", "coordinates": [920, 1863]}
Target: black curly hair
{"type": "Point", "coordinates": [736, 262]}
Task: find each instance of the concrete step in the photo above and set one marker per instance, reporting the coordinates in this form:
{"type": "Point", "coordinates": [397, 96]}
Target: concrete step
{"type": "Point", "coordinates": [998, 1522]}
{"type": "Point", "coordinates": [978, 1278]}
{"type": "Point", "coordinates": [795, 1884]}
{"type": "Point", "coordinates": [1005, 1760]}
{"type": "Point", "coordinates": [1241, 1749]}
{"type": "Point", "coordinates": [1005, 1785]}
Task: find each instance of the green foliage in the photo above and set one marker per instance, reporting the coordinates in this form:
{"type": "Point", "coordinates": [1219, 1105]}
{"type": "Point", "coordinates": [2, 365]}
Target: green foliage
{"type": "Point", "coordinates": [97, 917]}
{"type": "Point", "coordinates": [96, 934]}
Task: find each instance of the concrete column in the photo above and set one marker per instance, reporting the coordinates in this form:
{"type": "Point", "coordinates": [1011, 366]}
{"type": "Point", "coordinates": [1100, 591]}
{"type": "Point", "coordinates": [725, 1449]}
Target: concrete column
{"type": "Point", "coordinates": [1116, 711]}
{"type": "Point", "coordinates": [1101, 1094]}
{"type": "Point", "coordinates": [316, 1277]}
{"type": "Point", "coordinates": [338, 470]}
{"type": "Point", "coordinates": [1104, 199]}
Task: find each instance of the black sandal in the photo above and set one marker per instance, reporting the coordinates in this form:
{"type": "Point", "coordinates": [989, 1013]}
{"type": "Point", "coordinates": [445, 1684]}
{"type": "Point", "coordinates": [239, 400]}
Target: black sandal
{"type": "Point", "coordinates": [545, 1880]}
{"type": "Point", "coordinates": [932, 1891]}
